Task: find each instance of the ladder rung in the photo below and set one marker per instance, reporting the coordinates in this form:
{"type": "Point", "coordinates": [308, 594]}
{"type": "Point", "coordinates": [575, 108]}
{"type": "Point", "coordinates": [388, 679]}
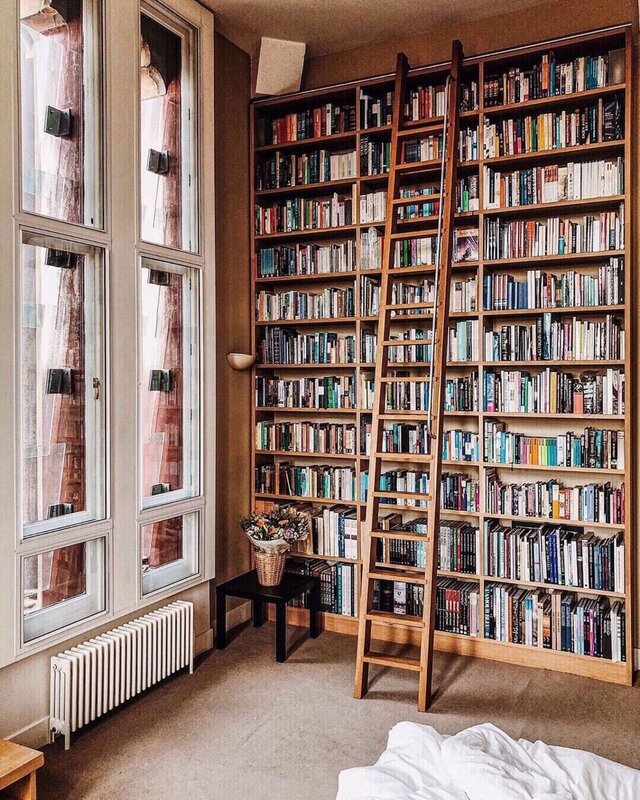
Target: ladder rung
{"type": "Point", "coordinates": [394, 342]}
{"type": "Point", "coordinates": [415, 128]}
{"type": "Point", "coordinates": [402, 379]}
{"type": "Point", "coordinates": [403, 496]}
{"type": "Point", "coordinates": [408, 306]}
{"type": "Point", "coordinates": [395, 619]}
{"type": "Point", "coordinates": [399, 662]}
{"type": "Point", "coordinates": [408, 536]}
{"type": "Point", "coordinates": [391, 415]}
{"type": "Point", "coordinates": [417, 458]}
{"type": "Point", "coordinates": [401, 577]}
{"type": "Point", "coordinates": [417, 200]}
{"type": "Point", "coordinates": [410, 235]}
{"type": "Point", "coordinates": [418, 166]}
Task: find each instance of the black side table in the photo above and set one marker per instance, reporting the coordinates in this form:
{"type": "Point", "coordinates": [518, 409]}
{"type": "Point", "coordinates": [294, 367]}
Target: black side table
{"type": "Point", "coordinates": [247, 587]}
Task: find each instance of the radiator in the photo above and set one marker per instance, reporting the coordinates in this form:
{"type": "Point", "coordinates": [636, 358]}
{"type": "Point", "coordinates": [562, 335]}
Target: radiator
{"type": "Point", "coordinates": [98, 675]}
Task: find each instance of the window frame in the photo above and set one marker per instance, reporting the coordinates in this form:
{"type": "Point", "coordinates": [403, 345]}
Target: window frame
{"type": "Point", "coordinates": [192, 427]}
{"type": "Point", "coordinates": [172, 571]}
{"type": "Point", "coordinates": [96, 360]}
{"type": "Point", "coordinates": [191, 221]}
{"type": "Point", "coordinates": [119, 162]}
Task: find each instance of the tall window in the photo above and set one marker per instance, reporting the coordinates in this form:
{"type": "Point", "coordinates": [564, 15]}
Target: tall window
{"type": "Point", "coordinates": [169, 385]}
{"type": "Point", "coordinates": [61, 109]}
{"type": "Point", "coordinates": [62, 407]}
{"type": "Point", "coordinates": [167, 125]}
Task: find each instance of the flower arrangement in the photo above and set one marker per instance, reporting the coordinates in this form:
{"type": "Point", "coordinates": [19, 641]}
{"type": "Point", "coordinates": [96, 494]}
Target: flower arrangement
{"type": "Point", "coordinates": [276, 530]}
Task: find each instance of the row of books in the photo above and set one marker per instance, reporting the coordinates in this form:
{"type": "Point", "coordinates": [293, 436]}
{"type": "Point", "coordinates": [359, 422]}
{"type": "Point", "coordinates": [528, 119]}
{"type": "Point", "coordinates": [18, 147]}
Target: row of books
{"type": "Point", "coordinates": [376, 111]}
{"type": "Point", "coordinates": [310, 123]}
{"type": "Point", "coordinates": [549, 339]}
{"type": "Point", "coordinates": [421, 251]}
{"type": "Point", "coordinates": [306, 437]}
{"type": "Point", "coordinates": [556, 621]}
{"type": "Point", "coordinates": [602, 121]}
{"type": "Point", "coordinates": [553, 183]}
{"type": "Point", "coordinates": [375, 156]}
{"type": "Point", "coordinates": [459, 445]}
{"type": "Point", "coordinates": [286, 346]}
{"type": "Point", "coordinates": [460, 394]}
{"type": "Point", "coordinates": [594, 502]}
{"type": "Point", "coordinates": [553, 554]}
{"type": "Point", "coordinates": [329, 392]}
{"type": "Point", "coordinates": [299, 169]}
{"type": "Point", "coordinates": [457, 603]}
{"type": "Point", "coordinates": [463, 295]}
{"type": "Point", "coordinates": [595, 448]}
{"type": "Point", "coordinates": [373, 207]}
{"type": "Point", "coordinates": [553, 392]}
{"type": "Point", "coordinates": [300, 214]}
{"type": "Point", "coordinates": [305, 259]}
{"type": "Point", "coordinates": [333, 530]}
{"type": "Point", "coordinates": [370, 249]}
{"type": "Point", "coordinates": [404, 437]}
{"type": "Point", "coordinates": [457, 551]}
{"type": "Point", "coordinates": [426, 101]}
{"type": "Point", "coordinates": [322, 481]}
{"type": "Point", "coordinates": [458, 492]}
{"type": "Point", "coordinates": [369, 297]}
{"type": "Point", "coordinates": [554, 236]}
{"type": "Point", "coordinates": [338, 585]}
{"type": "Point", "coordinates": [549, 77]}
{"type": "Point", "coordinates": [292, 305]}
{"type": "Point", "coordinates": [540, 289]}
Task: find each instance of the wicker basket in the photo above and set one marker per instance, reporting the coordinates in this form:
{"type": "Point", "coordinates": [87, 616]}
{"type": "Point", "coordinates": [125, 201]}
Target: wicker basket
{"type": "Point", "coordinates": [270, 567]}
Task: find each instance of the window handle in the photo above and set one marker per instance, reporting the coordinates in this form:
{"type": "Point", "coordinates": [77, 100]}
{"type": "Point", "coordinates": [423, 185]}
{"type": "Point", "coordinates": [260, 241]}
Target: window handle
{"type": "Point", "coordinates": [96, 388]}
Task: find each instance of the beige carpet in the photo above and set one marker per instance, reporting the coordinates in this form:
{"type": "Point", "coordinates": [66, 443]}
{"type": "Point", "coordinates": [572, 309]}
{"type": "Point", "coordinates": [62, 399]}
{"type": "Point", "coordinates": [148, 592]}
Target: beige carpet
{"type": "Point", "coordinates": [245, 728]}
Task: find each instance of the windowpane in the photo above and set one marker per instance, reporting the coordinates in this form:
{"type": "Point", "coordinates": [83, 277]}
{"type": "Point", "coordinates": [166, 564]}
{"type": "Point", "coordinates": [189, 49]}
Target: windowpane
{"type": "Point", "coordinates": [60, 96]}
{"type": "Point", "coordinates": [169, 551]}
{"type": "Point", "coordinates": [167, 180]}
{"type": "Point", "coordinates": [61, 587]}
{"type": "Point", "coordinates": [62, 415]}
{"type": "Point", "coordinates": [169, 384]}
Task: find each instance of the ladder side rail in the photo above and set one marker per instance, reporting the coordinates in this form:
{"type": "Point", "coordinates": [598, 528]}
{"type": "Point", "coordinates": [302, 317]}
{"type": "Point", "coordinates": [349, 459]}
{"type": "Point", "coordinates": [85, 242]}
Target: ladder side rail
{"type": "Point", "coordinates": [439, 359]}
{"type": "Point", "coordinates": [369, 544]}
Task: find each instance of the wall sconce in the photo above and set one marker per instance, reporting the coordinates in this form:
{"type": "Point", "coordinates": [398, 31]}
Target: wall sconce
{"type": "Point", "coordinates": [240, 361]}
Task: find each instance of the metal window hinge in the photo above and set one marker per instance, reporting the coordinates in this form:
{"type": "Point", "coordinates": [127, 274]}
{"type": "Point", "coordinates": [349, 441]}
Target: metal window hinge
{"type": "Point", "coordinates": [96, 388]}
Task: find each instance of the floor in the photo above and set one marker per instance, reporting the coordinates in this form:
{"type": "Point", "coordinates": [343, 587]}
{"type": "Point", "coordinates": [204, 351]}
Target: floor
{"type": "Point", "coordinates": [243, 727]}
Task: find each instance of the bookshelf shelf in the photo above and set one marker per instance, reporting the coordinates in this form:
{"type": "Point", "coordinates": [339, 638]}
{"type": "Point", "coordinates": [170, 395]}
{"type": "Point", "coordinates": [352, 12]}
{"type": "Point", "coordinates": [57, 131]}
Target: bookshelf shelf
{"type": "Point", "coordinates": [418, 174]}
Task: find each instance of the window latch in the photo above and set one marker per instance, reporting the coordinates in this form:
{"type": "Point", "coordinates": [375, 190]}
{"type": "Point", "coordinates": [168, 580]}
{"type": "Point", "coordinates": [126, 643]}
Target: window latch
{"type": "Point", "coordinates": [96, 388]}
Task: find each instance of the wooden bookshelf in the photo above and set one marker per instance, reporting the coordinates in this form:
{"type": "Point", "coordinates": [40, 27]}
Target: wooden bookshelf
{"type": "Point", "coordinates": [415, 174]}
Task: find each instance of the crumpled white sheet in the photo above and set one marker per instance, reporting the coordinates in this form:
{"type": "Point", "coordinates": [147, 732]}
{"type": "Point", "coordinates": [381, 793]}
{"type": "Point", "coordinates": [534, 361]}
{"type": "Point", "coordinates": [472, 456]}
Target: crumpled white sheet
{"type": "Point", "coordinates": [483, 763]}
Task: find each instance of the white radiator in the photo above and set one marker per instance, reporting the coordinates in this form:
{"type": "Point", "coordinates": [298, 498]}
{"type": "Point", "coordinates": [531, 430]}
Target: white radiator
{"type": "Point", "coordinates": [97, 676]}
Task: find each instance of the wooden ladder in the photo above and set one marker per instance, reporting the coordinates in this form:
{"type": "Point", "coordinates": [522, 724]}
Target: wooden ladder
{"type": "Point", "coordinates": [439, 317]}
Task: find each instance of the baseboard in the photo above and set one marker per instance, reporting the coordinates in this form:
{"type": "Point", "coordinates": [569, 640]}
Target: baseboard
{"type": "Point", "coordinates": [204, 642]}
{"type": "Point", "coordinates": [636, 658]}
{"type": "Point", "coordinates": [35, 735]}
{"type": "Point", "coordinates": [239, 615]}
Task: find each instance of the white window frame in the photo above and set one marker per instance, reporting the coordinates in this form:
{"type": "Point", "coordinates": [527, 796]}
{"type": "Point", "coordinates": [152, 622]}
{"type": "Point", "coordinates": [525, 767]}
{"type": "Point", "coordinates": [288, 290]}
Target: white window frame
{"type": "Point", "coordinates": [192, 386]}
{"type": "Point", "coordinates": [93, 94]}
{"type": "Point", "coordinates": [189, 163]}
{"type": "Point", "coordinates": [95, 366]}
{"type": "Point", "coordinates": [161, 578]}
{"type": "Point", "coordinates": [119, 160]}
{"type": "Point", "coordinates": [52, 621]}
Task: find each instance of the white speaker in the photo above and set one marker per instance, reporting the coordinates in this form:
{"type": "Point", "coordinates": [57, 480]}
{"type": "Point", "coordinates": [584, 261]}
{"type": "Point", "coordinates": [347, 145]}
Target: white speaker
{"type": "Point", "coordinates": [280, 66]}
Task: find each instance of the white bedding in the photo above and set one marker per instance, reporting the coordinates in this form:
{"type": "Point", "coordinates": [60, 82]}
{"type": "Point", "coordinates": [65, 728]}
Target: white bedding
{"type": "Point", "coordinates": [483, 763]}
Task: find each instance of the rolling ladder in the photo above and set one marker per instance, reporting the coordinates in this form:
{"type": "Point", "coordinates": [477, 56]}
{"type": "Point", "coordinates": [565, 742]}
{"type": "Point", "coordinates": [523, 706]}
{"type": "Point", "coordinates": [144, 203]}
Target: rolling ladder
{"type": "Point", "coordinates": [438, 314]}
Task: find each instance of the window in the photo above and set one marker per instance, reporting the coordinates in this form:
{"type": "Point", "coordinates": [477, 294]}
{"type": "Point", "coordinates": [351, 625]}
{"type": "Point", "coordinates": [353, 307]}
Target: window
{"type": "Point", "coordinates": [169, 384]}
{"type": "Point", "coordinates": [61, 587]}
{"type": "Point", "coordinates": [169, 551]}
{"type": "Point", "coordinates": [61, 108]}
{"type": "Point", "coordinates": [107, 314]}
{"type": "Point", "coordinates": [62, 358]}
{"type": "Point", "coordinates": [167, 125]}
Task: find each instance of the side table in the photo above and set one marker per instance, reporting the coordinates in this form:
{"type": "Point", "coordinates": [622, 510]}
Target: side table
{"type": "Point", "coordinates": [247, 587]}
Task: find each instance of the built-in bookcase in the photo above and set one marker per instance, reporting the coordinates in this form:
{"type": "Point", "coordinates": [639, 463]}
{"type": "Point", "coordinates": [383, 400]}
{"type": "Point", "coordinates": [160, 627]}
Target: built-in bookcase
{"type": "Point", "coordinates": [538, 457]}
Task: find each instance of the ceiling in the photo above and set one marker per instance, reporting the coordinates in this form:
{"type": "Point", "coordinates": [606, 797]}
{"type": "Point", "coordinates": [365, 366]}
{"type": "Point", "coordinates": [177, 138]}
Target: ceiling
{"type": "Point", "coordinates": [329, 26]}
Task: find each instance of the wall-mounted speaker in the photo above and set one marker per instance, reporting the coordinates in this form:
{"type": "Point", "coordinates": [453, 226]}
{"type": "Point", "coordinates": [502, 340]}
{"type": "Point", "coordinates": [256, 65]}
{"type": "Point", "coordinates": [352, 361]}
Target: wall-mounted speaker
{"type": "Point", "coordinates": [280, 66]}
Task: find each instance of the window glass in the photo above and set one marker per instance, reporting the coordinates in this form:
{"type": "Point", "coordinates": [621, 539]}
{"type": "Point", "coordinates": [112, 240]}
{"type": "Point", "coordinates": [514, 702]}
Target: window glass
{"type": "Point", "coordinates": [62, 394]}
{"type": "Point", "coordinates": [167, 180]}
{"type": "Point", "coordinates": [62, 586]}
{"type": "Point", "coordinates": [61, 109]}
{"type": "Point", "coordinates": [169, 383]}
{"type": "Point", "coordinates": [169, 551]}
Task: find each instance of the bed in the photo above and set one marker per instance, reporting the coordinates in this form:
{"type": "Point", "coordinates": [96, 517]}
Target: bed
{"type": "Point", "coordinates": [483, 763]}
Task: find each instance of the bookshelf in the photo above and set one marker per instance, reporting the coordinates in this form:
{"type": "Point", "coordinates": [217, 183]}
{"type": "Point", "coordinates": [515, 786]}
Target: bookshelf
{"type": "Point", "coordinates": [344, 255]}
